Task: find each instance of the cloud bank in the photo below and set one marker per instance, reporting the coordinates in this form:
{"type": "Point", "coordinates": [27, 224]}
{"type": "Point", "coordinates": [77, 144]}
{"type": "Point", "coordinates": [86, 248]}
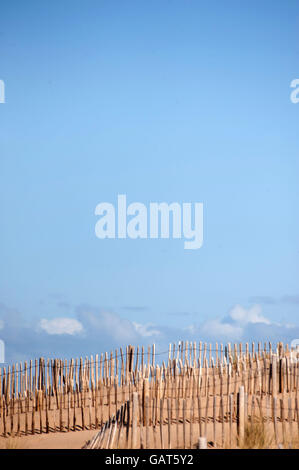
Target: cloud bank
{"type": "Point", "coordinates": [92, 331]}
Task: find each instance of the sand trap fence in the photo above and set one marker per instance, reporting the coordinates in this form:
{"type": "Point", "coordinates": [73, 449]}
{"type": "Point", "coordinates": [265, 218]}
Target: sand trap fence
{"type": "Point", "coordinates": [57, 395]}
{"type": "Point", "coordinates": [196, 422]}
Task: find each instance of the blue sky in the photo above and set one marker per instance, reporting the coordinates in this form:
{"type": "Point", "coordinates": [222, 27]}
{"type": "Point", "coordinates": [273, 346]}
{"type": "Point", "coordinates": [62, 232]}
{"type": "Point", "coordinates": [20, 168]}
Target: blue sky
{"type": "Point", "coordinates": [183, 101]}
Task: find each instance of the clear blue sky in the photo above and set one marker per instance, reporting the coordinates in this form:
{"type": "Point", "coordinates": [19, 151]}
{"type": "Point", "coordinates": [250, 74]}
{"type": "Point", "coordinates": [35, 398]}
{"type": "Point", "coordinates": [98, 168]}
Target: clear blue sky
{"type": "Point", "coordinates": [163, 101]}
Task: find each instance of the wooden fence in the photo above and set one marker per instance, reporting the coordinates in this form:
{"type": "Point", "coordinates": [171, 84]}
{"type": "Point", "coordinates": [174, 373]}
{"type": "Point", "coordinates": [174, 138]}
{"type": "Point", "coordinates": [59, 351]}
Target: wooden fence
{"type": "Point", "coordinates": [180, 423]}
{"type": "Point", "coordinates": [96, 393]}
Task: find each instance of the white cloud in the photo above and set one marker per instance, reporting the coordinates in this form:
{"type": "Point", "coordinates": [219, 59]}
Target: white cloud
{"type": "Point", "coordinates": [61, 326]}
{"type": "Point", "coordinates": [218, 329]}
{"type": "Point", "coordinates": [236, 324]}
{"type": "Point", "coordinates": [112, 325]}
{"type": "Point", "coordinates": [242, 316]}
{"type": "Point", "coordinates": [146, 330]}
{"type": "Point", "coordinates": [108, 324]}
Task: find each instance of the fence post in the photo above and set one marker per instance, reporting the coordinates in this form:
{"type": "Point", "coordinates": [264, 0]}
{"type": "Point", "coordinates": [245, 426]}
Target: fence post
{"type": "Point", "coordinates": [169, 421]}
{"type": "Point", "coordinates": [282, 417]}
{"type": "Point", "coordinates": [134, 420]}
{"type": "Point", "coordinates": [290, 419]}
{"type": "Point", "coordinates": [214, 419]}
{"type": "Point", "coordinates": [199, 416]}
{"type": "Point", "coordinates": [207, 415]}
{"type": "Point", "coordinates": [147, 404]}
{"type": "Point", "coordinates": [177, 404]}
{"type": "Point", "coordinates": [282, 375]}
{"type": "Point", "coordinates": [184, 423]}
{"type": "Point", "coordinates": [26, 415]}
{"type": "Point", "coordinates": [120, 426]}
{"type": "Point", "coordinates": [4, 416]}
{"type": "Point", "coordinates": [275, 419]}
{"type": "Point", "coordinates": [202, 443]}
{"type": "Point", "coordinates": [222, 419]}
{"type": "Point", "coordinates": [145, 394]}
{"type": "Point", "coordinates": [161, 422]}
{"type": "Point", "coordinates": [231, 406]}
{"type": "Point", "coordinates": [33, 415]}
{"type": "Point", "coordinates": [274, 375]}
{"type": "Point", "coordinates": [241, 413]}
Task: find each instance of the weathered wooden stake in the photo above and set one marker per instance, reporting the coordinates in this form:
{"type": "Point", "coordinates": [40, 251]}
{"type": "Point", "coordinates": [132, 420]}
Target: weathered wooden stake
{"type": "Point", "coordinates": [241, 414]}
